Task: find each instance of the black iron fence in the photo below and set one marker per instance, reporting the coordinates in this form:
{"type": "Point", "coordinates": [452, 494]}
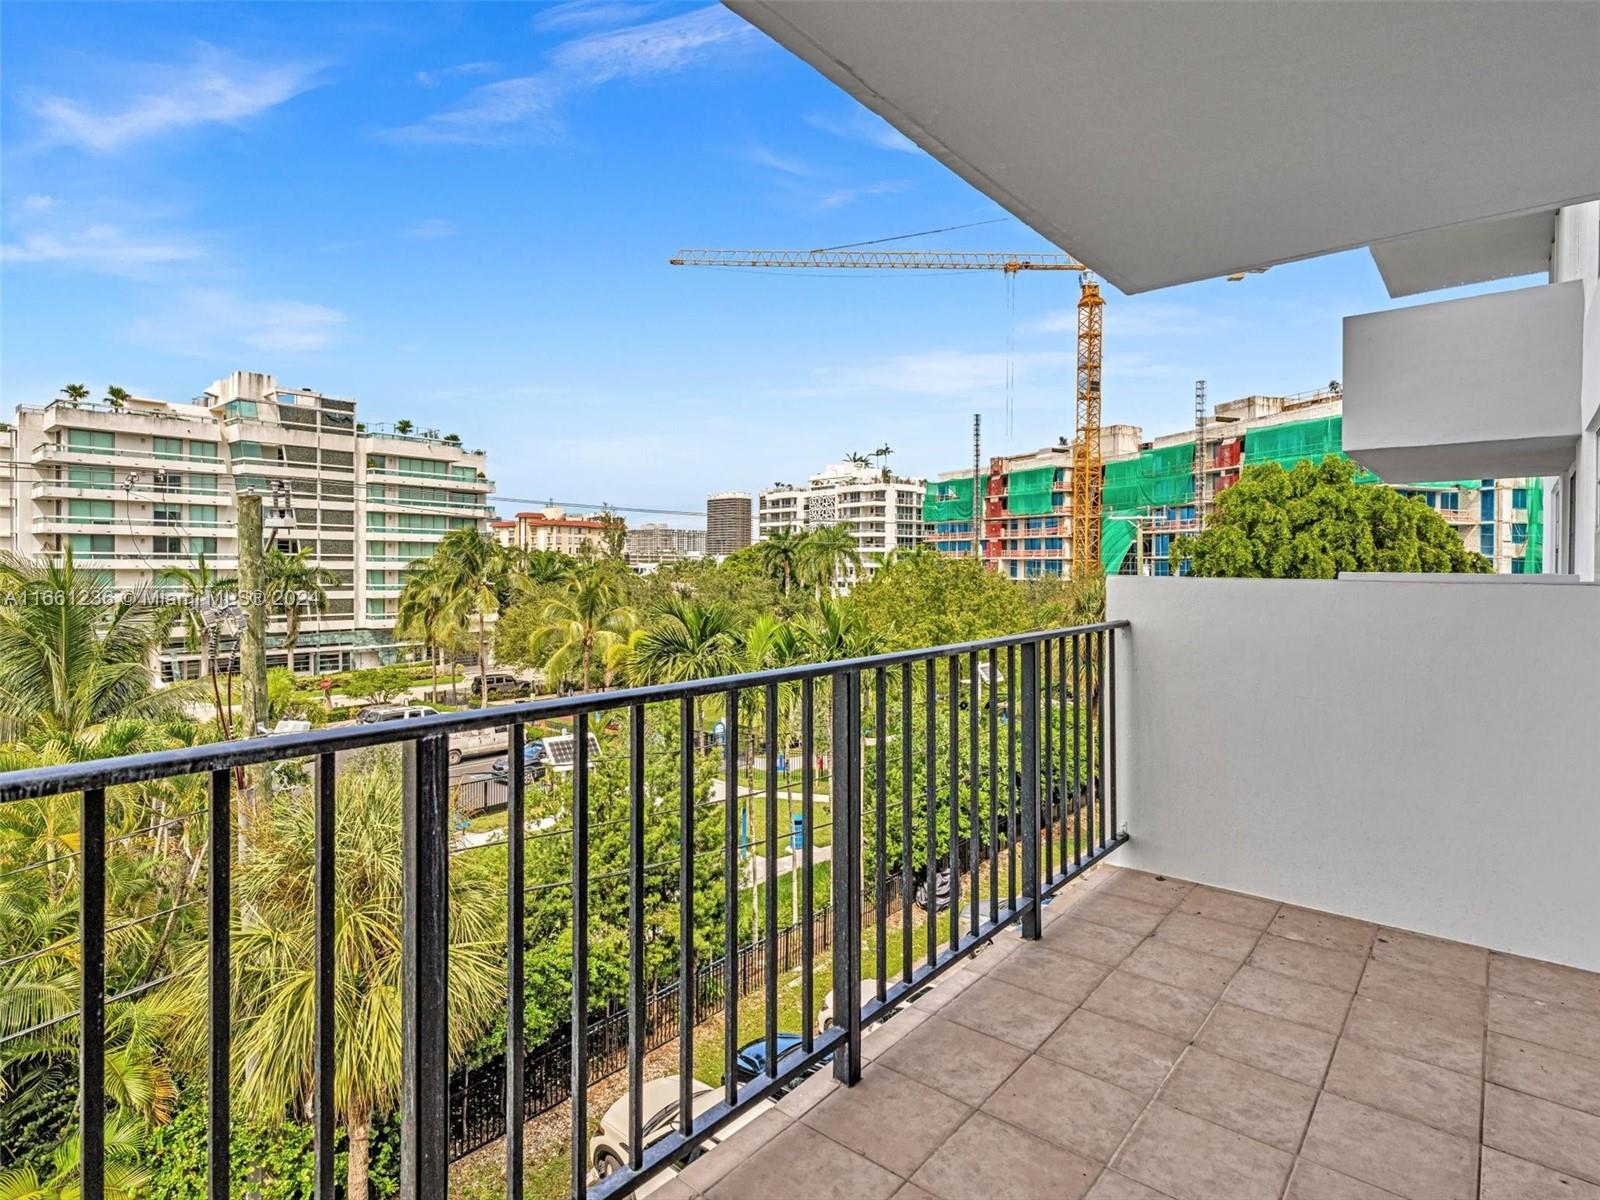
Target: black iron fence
{"type": "Point", "coordinates": [477, 1094]}
{"type": "Point", "coordinates": [978, 729]}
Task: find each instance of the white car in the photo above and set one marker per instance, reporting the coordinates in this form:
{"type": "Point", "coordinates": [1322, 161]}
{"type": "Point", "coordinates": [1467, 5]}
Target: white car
{"type": "Point", "coordinates": [869, 993]}
{"type": "Point", "coordinates": [608, 1148]}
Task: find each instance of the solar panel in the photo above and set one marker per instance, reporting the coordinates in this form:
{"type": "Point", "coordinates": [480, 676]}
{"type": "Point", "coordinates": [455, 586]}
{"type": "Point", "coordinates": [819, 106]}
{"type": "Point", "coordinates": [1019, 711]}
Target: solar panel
{"type": "Point", "coordinates": [561, 751]}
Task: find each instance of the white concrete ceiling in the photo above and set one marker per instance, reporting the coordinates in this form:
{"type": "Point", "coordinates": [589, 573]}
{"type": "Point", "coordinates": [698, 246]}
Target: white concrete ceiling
{"type": "Point", "coordinates": [1498, 248]}
{"type": "Point", "coordinates": [1164, 142]}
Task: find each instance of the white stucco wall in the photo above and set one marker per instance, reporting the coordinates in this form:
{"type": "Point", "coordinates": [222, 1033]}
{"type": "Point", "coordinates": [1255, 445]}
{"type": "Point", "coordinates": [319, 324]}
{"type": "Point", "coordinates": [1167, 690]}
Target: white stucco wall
{"type": "Point", "coordinates": [1417, 753]}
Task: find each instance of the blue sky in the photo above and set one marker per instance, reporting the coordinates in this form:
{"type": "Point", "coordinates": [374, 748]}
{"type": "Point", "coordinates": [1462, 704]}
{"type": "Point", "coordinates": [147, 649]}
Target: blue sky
{"type": "Point", "coordinates": [462, 214]}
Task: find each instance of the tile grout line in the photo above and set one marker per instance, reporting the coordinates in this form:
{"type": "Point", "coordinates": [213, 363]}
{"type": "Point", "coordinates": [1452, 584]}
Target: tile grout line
{"type": "Point", "coordinates": [1322, 1085]}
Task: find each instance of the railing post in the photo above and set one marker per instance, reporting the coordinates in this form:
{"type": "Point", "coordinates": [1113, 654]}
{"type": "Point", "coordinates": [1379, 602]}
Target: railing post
{"type": "Point", "coordinates": [424, 974]}
{"type": "Point", "coordinates": [1029, 720]}
{"type": "Point", "coordinates": [845, 791]}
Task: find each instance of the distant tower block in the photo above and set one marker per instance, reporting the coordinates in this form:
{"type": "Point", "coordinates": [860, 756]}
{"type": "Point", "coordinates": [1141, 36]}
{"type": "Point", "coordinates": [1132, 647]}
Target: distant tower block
{"type": "Point", "coordinates": [728, 522]}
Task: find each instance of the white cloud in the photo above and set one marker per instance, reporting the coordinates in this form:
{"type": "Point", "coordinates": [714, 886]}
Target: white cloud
{"type": "Point", "coordinates": [431, 79]}
{"type": "Point", "coordinates": [212, 322]}
{"type": "Point", "coordinates": [431, 229]}
{"type": "Point", "coordinates": [588, 14]}
{"type": "Point", "coordinates": [36, 205]}
{"type": "Point", "coordinates": [841, 197]}
{"type": "Point", "coordinates": [655, 48]}
{"type": "Point", "coordinates": [213, 88]}
{"type": "Point", "coordinates": [784, 163]}
{"type": "Point", "coordinates": [526, 107]}
{"type": "Point", "coordinates": [104, 248]}
{"type": "Point", "coordinates": [860, 125]}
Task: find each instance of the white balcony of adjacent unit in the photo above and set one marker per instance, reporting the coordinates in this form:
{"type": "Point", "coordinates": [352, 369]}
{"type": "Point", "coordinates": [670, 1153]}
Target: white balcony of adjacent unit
{"type": "Point", "coordinates": [124, 458]}
{"type": "Point", "coordinates": [1483, 387]}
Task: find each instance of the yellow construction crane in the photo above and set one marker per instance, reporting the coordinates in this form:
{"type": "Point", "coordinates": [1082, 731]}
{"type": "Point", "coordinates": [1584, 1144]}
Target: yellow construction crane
{"type": "Point", "coordinates": [1086, 451]}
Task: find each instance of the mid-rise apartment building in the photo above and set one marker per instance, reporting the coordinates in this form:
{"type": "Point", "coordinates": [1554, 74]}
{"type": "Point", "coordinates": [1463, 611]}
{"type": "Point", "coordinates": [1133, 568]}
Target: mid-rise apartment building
{"type": "Point", "coordinates": [551, 528]}
{"type": "Point", "coordinates": [727, 523]}
{"type": "Point", "coordinates": [655, 542]}
{"type": "Point", "coordinates": [144, 488]}
{"type": "Point", "coordinates": [883, 511]}
{"type": "Point", "coordinates": [1152, 492]}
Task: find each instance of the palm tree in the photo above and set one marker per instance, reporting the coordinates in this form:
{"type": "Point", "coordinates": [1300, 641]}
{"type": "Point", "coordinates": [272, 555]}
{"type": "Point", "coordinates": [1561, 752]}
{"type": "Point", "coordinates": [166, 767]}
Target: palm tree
{"type": "Point", "coordinates": [585, 622]}
{"type": "Point", "coordinates": [117, 397]}
{"type": "Point", "coordinates": [69, 663]}
{"type": "Point", "coordinates": [782, 554]}
{"type": "Point", "coordinates": [829, 553]}
{"type": "Point", "coordinates": [295, 583]}
{"type": "Point", "coordinates": [74, 394]}
{"type": "Point", "coordinates": [472, 568]}
{"type": "Point", "coordinates": [125, 1177]}
{"type": "Point", "coordinates": [274, 952]}
{"type": "Point", "coordinates": [685, 640]}
{"type": "Point", "coordinates": [539, 566]}
{"type": "Point", "coordinates": [424, 613]}
{"type": "Point", "coordinates": [201, 587]}
{"type": "Point", "coordinates": [838, 632]}
{"type": "Point", "coordinates": [402, 426]}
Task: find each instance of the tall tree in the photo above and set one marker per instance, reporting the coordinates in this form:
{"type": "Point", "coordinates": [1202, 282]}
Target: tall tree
{"type": "Point", "coordinates": [1316, 521]}
{"type": "Point", "coordinates": [425, 612]}
{"type": "Point", "coordinates": [472, 566]}
{"type": "Point", "coordinates": [585, 621]}
{"type": "Point", "coordinates": [295, 585]}
{"type": "Point", "coordinates": [70, 661]}
{"type": "Point", "coordinates": [828, 554]}
{"type": "Point", "coordinates": [782, 554]}
{"type": "Point", "coordinates": [274, 956]}
{"type": "Point", "coordinates": [203, 591]}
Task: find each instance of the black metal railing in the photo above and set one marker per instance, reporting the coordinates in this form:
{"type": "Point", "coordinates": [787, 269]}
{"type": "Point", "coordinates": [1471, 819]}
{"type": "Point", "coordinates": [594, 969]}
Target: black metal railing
{"type": "Point", "coordinates": [917, 796]}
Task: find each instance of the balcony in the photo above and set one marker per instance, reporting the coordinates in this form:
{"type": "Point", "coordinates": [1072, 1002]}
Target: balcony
{"type": "Point", "coordinates": [1163, 1038]}
{"type": "Point", "coordinates": [1325, 1009]}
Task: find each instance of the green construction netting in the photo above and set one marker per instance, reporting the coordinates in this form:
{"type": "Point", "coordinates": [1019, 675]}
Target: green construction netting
{"type": "Point", "coordinates": [1533, 551]}
{"type": "Point", "coordinates": [1116, 538]}
{"type": "Point", "coordinates": [1293, 441]}
{"type": "Point", "coordinates": [1151, 479]}
{"type": "Point", "coordinates": [1028, 492]}
{"type": "Point", "coordinates": [949, 499]}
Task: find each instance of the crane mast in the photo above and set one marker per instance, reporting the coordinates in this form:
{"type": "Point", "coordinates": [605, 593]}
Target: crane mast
{"type": "Point", "coordinates": [1086, 464]}
{"type": "Point", "coordinates": [1086, 451]}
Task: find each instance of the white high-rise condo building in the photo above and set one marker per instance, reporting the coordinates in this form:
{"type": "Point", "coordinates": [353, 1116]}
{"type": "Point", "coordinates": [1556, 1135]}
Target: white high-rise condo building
{"type": "Point", "coordinates": [882, 510]}
{"type": "Point", "coordinates": [143, 489]}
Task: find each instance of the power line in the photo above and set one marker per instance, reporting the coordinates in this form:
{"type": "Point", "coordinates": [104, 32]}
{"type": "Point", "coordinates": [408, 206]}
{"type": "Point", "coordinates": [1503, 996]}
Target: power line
{"type": "Point", "coordinates": [901, 237]}
{"type": "Point", "coordinates": [633, 508]}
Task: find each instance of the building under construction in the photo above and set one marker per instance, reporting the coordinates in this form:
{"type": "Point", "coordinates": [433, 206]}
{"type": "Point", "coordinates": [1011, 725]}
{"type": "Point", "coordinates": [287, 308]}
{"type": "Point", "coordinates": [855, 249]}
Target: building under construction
{"type": "Point", "coordinates": [1154, 491]}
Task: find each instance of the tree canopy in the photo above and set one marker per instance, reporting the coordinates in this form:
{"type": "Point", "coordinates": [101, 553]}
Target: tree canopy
{"type": "Point", "coordinates": [1314, 522]}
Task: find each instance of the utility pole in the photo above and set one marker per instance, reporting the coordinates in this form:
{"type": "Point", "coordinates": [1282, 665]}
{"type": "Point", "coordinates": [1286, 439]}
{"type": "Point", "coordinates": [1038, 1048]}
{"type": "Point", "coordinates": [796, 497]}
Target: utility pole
{"type": "Point", "coordinates": [977, 498]}
{"type": "Point", "coordinates": [253, 596]}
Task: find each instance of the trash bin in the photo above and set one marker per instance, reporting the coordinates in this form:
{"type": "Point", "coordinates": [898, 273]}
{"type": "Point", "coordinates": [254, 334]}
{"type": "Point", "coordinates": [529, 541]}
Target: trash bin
{"type": "Point", "coordinates": [797, 831]}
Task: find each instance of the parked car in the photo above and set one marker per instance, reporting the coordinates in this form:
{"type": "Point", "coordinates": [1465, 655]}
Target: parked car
{"type": "Point", "coordinates": [501, 684]}
{"type": "Point", "coordinates": [608, 1148]}
{"type": "Point", "coordinates": [533, 762]}
{"type": "Point", "coordinates": [751, 1060]}
{"type": "Point", "coordinates": [869, 993]}
{"type": "Point", "coordinates": [374, 713]}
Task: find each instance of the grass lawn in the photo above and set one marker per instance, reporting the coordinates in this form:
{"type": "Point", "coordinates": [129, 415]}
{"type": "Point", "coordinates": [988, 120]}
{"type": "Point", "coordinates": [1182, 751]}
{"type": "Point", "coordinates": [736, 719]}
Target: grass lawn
{"type": "Point", "coordinates": [788, 807]}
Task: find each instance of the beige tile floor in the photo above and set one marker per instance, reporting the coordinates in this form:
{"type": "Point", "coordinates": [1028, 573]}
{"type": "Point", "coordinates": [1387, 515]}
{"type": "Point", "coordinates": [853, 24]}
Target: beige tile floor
{"type": "Point", "coordinates": [1164, 1039]}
